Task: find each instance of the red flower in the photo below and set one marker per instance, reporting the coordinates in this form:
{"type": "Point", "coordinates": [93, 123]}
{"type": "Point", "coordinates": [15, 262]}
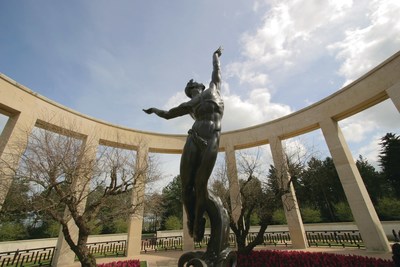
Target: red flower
{"type": "Point", "coordinates": [128, 263]}
{"type": "Point", "coordinates": [307, 259]}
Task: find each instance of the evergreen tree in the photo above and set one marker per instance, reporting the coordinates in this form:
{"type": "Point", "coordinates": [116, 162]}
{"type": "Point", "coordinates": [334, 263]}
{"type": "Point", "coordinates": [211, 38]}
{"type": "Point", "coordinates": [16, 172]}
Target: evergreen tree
{"type": "Point", "coordinates": [389, 159]}
{"type": "Point", "coordinates": [172, 200]}
{"type": "Point", "coordinates": [321, 187]}
{"type": "Point", "coordinates": [374, 181]}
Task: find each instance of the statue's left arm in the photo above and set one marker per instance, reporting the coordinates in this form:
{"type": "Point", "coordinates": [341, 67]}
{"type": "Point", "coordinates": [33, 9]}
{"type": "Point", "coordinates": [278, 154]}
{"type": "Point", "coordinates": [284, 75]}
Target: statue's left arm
{"type": "Point", "coordinates": [178, 111]}
{"type": "Point", "coordinates": [216, 73]}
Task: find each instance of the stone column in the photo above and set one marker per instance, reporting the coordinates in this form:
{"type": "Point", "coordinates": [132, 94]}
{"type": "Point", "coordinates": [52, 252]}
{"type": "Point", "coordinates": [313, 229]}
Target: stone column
{"type": "Point", "coordinates": [134, 241]}
{"type": "Point", "coordinates": [360, 203]}
{"type": "Point", "coordinates": [289, 200]}
{"type": "Point", "coordinates": [63, 255]}
{"type": "Point", "coordinates": [234, 188]}
{"type": "Point", "coordinates": [394, 94]}
{"type": "Point", "coordinates": [13, 142]}
{"type": "Point", "coordinates": [188, 243]}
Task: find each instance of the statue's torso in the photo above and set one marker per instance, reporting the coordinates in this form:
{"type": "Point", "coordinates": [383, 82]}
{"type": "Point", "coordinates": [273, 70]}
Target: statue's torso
{"type": "Point", "coordinates": [207, 110]}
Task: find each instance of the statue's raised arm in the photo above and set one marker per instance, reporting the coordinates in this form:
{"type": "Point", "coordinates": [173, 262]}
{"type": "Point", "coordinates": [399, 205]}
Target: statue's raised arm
{"type": "Point", "coordinates": [216, 73]}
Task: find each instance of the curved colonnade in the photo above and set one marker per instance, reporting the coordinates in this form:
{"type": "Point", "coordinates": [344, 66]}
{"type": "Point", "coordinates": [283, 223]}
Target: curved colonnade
{"type": "Point", "coordinates": [26, 109]}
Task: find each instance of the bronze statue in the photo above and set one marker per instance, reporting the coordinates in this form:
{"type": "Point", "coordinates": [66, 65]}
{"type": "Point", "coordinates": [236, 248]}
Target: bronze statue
{"type": "Point", "coordinates": [197, 162]}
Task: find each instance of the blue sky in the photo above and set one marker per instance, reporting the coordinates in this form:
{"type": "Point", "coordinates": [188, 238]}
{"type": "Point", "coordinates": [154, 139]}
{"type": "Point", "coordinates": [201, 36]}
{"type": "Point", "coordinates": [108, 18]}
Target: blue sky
{"type": "Point", "coordinates": [110, 59]}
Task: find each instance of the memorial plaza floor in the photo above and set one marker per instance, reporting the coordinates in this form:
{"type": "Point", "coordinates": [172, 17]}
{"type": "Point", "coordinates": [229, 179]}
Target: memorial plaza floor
{"type": "Point", "coordinates": [170, 258]}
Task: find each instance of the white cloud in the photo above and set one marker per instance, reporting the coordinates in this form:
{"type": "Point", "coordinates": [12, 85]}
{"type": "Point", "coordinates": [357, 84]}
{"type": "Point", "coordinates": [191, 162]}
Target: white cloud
{"type": "Point", "coordinates": [364, 130]}
{"type": "Point", "coordinates": [176, 100]}
{"type": "Point", "coordinates": [289, 36]}
{"type": "Point", "coordinates": [293, 34]}
{"type": "Point", "coordinates": [239, 112]}
{"type": "Point", "coordinates": [291, 39]}
{"type": "Point", "coordinates": [370, 151]}
{"type": "Point", "coordinates": [356, 130]}
{"type": "Point", "coordinates": [364, 47]}
{"type": "Point", "coordinates": [378, 119]}
{"type": "Point", "coordinates": [295, 149]}
{"type": "Point", "coordinates": [255, 109]}
{"type": "Point", "coordinates": [290, 29]}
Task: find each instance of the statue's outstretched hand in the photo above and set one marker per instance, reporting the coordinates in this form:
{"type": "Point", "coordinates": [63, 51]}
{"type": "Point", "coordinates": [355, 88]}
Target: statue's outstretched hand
{"type": "Point", "coordinates": [219, 51]}
{"type": "Point", "coordinates": [149, 110]}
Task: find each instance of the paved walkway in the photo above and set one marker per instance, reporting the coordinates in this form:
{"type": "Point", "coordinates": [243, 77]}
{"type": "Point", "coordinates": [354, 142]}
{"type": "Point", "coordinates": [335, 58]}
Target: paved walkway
{"type": "Point", "coordinates": [170, 258]}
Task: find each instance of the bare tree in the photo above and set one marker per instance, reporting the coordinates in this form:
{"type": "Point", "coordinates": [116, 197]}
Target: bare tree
{"type": "Point", "coordinates": [261, 193]}
{"type": "Point", "coordinates": [153, 210]}
{"type": "Point", "coordinates": [73, 179]}
{"type": "Point", "coordinates": [255, 198]}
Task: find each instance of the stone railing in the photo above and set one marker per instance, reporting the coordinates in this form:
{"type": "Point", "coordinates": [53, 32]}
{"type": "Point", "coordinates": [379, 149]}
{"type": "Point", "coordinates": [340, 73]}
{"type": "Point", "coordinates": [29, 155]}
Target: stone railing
{"type": "Point", "coordinates": [44, 256]}
{"type": "Point", "coordinates": [116, 248]}
{"type": "Point", "coordinates": [162, 243]}
{"type": "Point", "coordinates": [35, 257]}
{"type": "Point", "coordinates": [108, 249]}
{"type": "Point", "coordinates": [349, 238]}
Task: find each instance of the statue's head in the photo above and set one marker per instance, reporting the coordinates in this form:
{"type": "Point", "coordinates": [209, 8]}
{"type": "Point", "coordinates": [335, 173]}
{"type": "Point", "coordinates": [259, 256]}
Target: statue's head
{"type": "Point", "coordinates": [192, 85]}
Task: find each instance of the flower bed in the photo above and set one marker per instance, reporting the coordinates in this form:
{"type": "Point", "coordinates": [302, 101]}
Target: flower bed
{"type": "Point", "coordinates": [128, 263]}
{"type": "Point", "coordinates": [309, 259]}
{"type": "Point", "coordinates": [278, 258]}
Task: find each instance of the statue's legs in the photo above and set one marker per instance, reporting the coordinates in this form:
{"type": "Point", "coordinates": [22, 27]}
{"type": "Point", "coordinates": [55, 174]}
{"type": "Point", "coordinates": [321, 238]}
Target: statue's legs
{"type": "Point", "coordinates": [188, 169]}
{"type": "Point", "coordinates": [204, 170]}
{"type": "Point", "coordinates": [197, 164]}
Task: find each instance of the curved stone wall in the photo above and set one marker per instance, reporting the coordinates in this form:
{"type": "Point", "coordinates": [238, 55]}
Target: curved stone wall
{"type": "Point", "coordinates": [359, 95]}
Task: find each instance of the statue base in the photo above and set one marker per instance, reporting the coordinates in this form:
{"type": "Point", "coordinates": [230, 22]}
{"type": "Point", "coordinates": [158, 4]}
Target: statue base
{"type": "Point", "coordinates": [226, 258]}
{"type": "Point", "coordinates": [218, 253]}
